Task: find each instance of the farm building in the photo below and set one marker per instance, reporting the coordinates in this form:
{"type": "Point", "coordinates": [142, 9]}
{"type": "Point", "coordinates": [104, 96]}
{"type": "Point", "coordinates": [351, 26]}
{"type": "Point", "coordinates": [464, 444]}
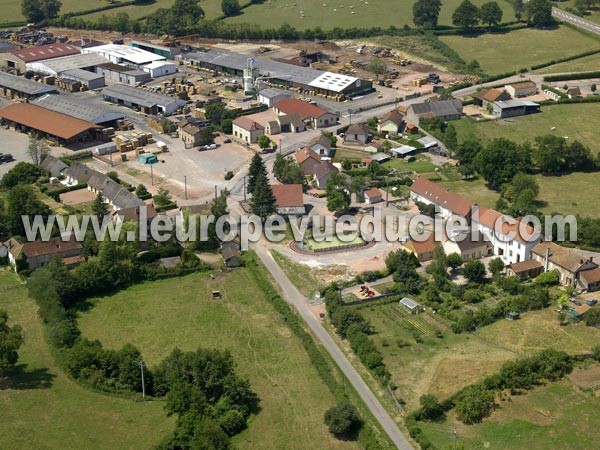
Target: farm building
{"type": "Point", "coordinates": [138, 98]}
{"type": "Point", "coordinates": [124, 54]}
{"type": "Point", "coordinates": [271, 96]}
{"type": "Point", "coordinates": [13, 86]}
{"type": "Point", "coordinates": [302, 79]}
{"type": "Point", "coordinates": [232, 254]}
{"type": "Point", "coordinates": [122, 74]}
{"type": "Point", "coordinates": [18, 59]}
{"type": "Point", "coordinates": [521, 89]}
{"type": "Point", "coordinates": [57, 66]}
{"type": "Point", "coordinates": [88, 79]}
{"type": "Point", "coordinates": [160, 68]}
{"type": "Point", "coordinates": [404, 150]}
{"type": "Point", "coordinates": [412, 306]}
{"type": "Point", "coordinates": [358, 133]}
{"type": "Point", "coordinates": [525, 269]}
{"type": "Point", "coordinates": [485, 97]}
{"type": "Point", "coordinates": [444, 109]}
{"type": "Point", "coordinates": [380, 157]}
{"type": "Point", "coordinates": [373, 196]}
{"type": "Point", "coordinates": [289, 199]}
{"type": "Point", "coordinates": [446, 201]}
{"type": "Point", "coordinates": [38, 253]}
{"type": "Point", "coordinates": [310, 114]}
{"type": "Point", "coordinates": [98, 114]}
{"type": "Point", "coordinates": [160, 50]}
{"type": "Point", "coordinates": [64, 129]}
{"type": "Point", "coordinates": [513, 108]}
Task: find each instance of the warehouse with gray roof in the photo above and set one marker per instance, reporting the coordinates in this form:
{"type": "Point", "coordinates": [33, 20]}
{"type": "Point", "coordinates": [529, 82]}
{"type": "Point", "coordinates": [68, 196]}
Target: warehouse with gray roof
{"type": "Point", "coordinates": [58, 65]}
{"type": "Point", "coordinates": [146, 101]}
{"type": "Point", "coordinates": [304, 79]}
{"type": "Point", "coordinates": [13, 86]}
{"type": "Point", "coordinates": [89, 79]}
{"type": "Point", "coordinates": [80, 109]}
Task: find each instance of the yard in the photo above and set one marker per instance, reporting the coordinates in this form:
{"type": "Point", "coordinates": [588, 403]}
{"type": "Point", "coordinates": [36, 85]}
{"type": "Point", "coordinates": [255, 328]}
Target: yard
{"type": "Point", "coordinates": [422, 164]}
{"type": "Point", "coordinates": [574, 121]}
{"type": "Point", "coordinates": [505, 52]}
{"type": "Point", "coordinates": [353, 13]}
{"type": "Point", "coordinates": [40, 407]}
{"type": "Point", "coordinates": [159, 316]}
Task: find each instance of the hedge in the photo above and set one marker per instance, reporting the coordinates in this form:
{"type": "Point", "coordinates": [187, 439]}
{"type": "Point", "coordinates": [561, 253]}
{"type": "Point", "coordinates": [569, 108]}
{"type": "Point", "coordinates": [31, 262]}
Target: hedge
{"type": "Point", "coordinates": [572, 76]}
{"type": "Point", "coordinates": [568, 58]}
{"type": "Point", "coordinates": [167, 207]}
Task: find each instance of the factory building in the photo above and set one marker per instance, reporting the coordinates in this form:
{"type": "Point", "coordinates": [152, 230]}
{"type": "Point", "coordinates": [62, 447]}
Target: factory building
{"type": "Point", "coordinates": [124, 54]}
{"type": "Point", "coordinates": [123, 74]}
{"type": "Point", "coordinates": [56, 66]}
{"type": "Point", "coordinates": [161, 50]}
{"type": "Point", "coordinates": [160, 68]}
{"type": "Point", "coordinates": [90, 80]}
{"type": "Point", "coordinates": [64, 129]}
{"type": "Point", "coordinates": [13, 86]}
{"type": "Point", "coordinates": [142, 99]}
{"type": "Point", "coordinates": [80, 109]}
{"type": "Point", "coordinates": [297, 78]}
{"type": "Point", "coordinates": [18, 59]}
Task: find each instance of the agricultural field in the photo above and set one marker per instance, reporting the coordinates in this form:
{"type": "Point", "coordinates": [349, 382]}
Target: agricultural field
{"type": "Point", "coordinates": [584, 64]}
{"type": "Point", "coordinates": [41, 407]}
{"type": "Point", "coordinates": [505, 52]}
{"type": "Point", "coordinates": [328, 15]}
{"type": "Point", "coordinates": [212, 9]}
{"type": "Point", "coordinates": [557, 415]}
{"type": "Point", "coordinates": [159, 316]}
{"type": "Point", "coordinates": [574, 121]}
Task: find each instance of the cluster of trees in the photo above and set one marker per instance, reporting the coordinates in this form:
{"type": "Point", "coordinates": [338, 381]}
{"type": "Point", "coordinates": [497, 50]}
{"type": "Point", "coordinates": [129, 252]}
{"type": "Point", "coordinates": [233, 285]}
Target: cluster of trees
{"type": "Point", "coordinates": [351, 325]}
{"type": "Point", "coordinates": [262, 202]}
{"type": "Point", "coordinates": [342, 419]}
{"type": "Point", "coordinates": [467, 15]}
{"type": "Point", "coordinates": [38, 10]}
{"type": "Point", "coordinates": [402, 265]}
{"type": "Point", "coordinates": [337, 191]}
{"type": "Point", "coordinates": [11, 339]}
{"type": "Point", "coordinates": [20, 201]}
{"type": "Point", "coordinates": [287, 170]}
{"type": "Point", "coordinates": [230, 7]}
{"type": "Point", "coordinates": [218, 208]}
{"type": "Point", "coordinates": [586, 6]}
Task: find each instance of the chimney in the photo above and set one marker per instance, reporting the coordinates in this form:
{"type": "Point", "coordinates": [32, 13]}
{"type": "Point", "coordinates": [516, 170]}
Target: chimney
{"type": "Point", "coordinates": [591, 259]}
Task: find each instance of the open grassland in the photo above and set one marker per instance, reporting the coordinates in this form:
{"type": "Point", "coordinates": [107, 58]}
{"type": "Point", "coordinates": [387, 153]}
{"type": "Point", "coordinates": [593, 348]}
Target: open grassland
{"type": "Point", "coordinates": [212, 9]}
{"type": "Point", "coordinates": [505, 52]}
{"type": "Point", "coordinates": [475, 189]}
{"type": "Point", "coordinates": [537, 330]}
{"type": "Point", "coordinates": [438, 366]}
{"type": "Point", "coordinates": [338, 13]}
{"type": "Point", "coordinates": [584, 64]}
{"type": "Point", "coordinates": [40, 407]}
{"type": "Point", "coordinates": [159, 316]}
{"type": "Point", "coordinates": [554, 416]}
{"type": "Point", "coordinates": [574, 121]}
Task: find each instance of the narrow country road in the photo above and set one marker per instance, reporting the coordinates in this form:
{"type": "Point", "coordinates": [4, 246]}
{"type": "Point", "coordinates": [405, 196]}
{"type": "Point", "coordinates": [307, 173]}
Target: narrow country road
{"type": "Point", "coordinates": [576, 20]}
{"type": "Point", "coordinates": [298, 301]}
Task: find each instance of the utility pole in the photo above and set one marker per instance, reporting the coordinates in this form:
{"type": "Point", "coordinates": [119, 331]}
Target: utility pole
{"type": "Point", "coordinates": [143, 383]}
{"type": "Point", "coordinates": [215, 191]}
{"type": "Point", "coordinates": [244, 188]}
{"type": "Point", "coordinates": [185, 185]}
{"type": "Point", "coordinates": [387, 191]}
{"type": "Point", "coordinates": [151, 175]}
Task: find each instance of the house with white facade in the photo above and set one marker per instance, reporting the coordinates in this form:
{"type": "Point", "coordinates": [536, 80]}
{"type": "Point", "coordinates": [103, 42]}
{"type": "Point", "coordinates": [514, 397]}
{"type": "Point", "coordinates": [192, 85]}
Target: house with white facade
{"type": "Point", "coordinates": [247, 130]}
{"type": "Point", "coordinates": [447, 203]}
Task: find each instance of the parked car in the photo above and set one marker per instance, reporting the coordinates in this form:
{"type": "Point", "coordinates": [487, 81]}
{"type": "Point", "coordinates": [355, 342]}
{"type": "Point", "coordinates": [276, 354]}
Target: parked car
{"type": "Point", "coordinates": [591, 302]}
{"type": "Point", "coordinates": [227, 141]}
{"type": "Point", "coordinates": [211, 146]}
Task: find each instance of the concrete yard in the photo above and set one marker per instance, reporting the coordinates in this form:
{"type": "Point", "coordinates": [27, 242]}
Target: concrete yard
{"type": "Point", "coordinates": [14, 144]}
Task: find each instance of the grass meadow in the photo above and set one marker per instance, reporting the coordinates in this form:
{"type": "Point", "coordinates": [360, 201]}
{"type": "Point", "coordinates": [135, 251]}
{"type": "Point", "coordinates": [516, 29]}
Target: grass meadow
{"type": "Point", "coordinates": [159, 316]}
{"type": "Point", "coordinates": [40, 407]}
{"type": "Point", "coordinates": [505, 52]}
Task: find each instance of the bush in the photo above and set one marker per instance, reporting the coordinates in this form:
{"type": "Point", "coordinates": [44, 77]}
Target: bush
{"type": "Point", "coordinates": [342, 419]}
{"type": "Point", "coordinates": [550, 278]}
{"type": "Point", "coordinates": [474, 403]}
{"type": "Point", "coordinates": [228, 175]}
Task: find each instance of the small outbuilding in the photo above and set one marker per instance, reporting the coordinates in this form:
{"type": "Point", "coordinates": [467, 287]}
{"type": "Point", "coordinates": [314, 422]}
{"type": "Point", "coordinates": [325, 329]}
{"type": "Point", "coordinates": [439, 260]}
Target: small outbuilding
{"type": "Point", "coordinates": [412, 306]}
{"type": "Point", "coordinates": [147, 158]}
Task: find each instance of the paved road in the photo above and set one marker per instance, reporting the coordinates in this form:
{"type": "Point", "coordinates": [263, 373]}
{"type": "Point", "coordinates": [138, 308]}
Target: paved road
{"type": "Point", "coordinates": [576, 20]}
{"type": "Point", "coordinates": [299, 303]}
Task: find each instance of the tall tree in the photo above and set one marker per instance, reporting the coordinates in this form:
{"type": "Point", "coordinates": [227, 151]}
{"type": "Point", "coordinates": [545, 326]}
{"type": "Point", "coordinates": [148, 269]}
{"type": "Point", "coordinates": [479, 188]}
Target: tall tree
{"type": "Point", "coordinates": [500, 160]}
{"type": "Point", "coordinates": [38, 150]}
{"type": "Point", "coordinates": [450, 138]}
{"type": "Point", "coordinates": [338, 198]}
{"type": "Point", "coordinates": [257, 167]}
{"type": "Point", "coordinates": [426, 13]}
{"type": "Point", "coordinates": [262, 202]}
{"type": "Point", "coordinates": [519, 8]}
{"type": "Point", "coordinates": [230, 7]}
{"type": "Point", "coordinates": [11, 339]}
{"type": "Point", "coordinates": [22, 201]}
{"type": "Point", "coordinates": [539, 13]}
{"type": "Point", "coordinates": [466, 15]}
{"type": "Point", "coordinates": [99, 207]}
{"type": "Point", "coordinates": [491, 14]}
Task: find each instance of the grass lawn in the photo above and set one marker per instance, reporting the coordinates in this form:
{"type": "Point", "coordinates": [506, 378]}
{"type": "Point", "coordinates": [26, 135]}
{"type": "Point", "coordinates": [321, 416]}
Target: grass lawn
{"type": "Point", "coordinates": [537, 330]}
{"type": "Point", "coordinates": [299, 274]}
{"type": "Point", "coordinates": [498, 53]}
{"type": "Point", "coordinates": [584, 64]}
{"type": "Point", "coordinates": [575, 121]}
{"type": "Point", "coordinates": [40, 407]}
{"type": "Point", "coordinates": [474, 189]}
{"type": "Point", "coordinates": [564, 194]}
{"type": "Point", "coordinates": [422, 164]}
{"type": "Point", "coordinates": [557, 416]}
{"type": "Point", "coordinates": [212, 9]}
{"type": "Point", "coordinates": [332, 242]}
{"type": "Point", "coordinates": [328, 15]}
{"type": "Point", "coordinates": [159, 316]}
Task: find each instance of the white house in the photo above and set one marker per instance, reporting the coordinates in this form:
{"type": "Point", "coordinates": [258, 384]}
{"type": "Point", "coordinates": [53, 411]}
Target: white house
{"type": "Point", "coordinates": [321, 145]}
{"type": "Point", "coordinates": [271, 96]}
{"type": "Point", "coordinates": [511, 239]}
{"type": "Point", "coordinates": [247, 130]}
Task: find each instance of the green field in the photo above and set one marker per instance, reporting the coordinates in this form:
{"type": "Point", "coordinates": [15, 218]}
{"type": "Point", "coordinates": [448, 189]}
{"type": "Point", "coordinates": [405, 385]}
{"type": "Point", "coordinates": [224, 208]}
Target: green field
{"type": "Point", "coordinates": [212, 9]}
{"type": "Point", "coordinates": [584, 64]}
{"type": "Point", "coordinates": [40, 407]}
{"type": "Point", "coordinates": [366, 13]}
{"type": "Point", "coordinates": [499, 53]}
{"type": "Point", "coordinates": [159, 316]}
{"type": "Point", "coordinates": [555, 416]}
{"type": "Point", "coordinates": [574, 121]}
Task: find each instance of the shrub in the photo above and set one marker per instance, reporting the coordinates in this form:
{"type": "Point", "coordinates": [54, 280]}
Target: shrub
{"type": "Point", "coordinates": [342, 419]}
{"type": "Point", "coordinates": [474, 403]}
{"type": "Point", "coordinates": [550, 278]}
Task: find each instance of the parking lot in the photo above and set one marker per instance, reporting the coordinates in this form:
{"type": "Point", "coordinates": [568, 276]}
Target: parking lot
{"type": "Point", "coordinates": [14, 144]}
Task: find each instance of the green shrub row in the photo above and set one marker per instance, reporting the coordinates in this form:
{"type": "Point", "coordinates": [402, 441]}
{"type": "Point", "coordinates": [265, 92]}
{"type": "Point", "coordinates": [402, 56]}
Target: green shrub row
{"type": "Point", "coordinates": [565, 59]}
{"type": "Point", "coordinates": [572, 76]}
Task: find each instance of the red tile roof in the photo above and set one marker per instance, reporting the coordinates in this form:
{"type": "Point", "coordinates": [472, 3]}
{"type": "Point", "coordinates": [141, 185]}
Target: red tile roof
{"type": "Point", "coordinates": [247, 123]}
{"type": "Point", "coordinates": [441, 196]}
{"type": "Point", "coordinates": [373, 193]}
{"type": "Point", "coordinates": [491, 219]}
{"type": "Point", "coordinates": [48, 51]}
{"type": "Point", "coordinates": [305, 153]}
{"type": "Point", "coordinates": [426, 246]}
{"type": "Point", "coordinates": [51, 247]}
{"type": "Point", "coordinates": [393, 116]}
{"type": "Point", "coordinates": [295, 106]}
{"type": "Point", "coordinates": [45, 120]}
{"type": "Point", "coordinates": [523, 85]}
{"type": "Point", "coordinates": [591, 276]}
{"type": "Point", "coordinates": [287, 195]}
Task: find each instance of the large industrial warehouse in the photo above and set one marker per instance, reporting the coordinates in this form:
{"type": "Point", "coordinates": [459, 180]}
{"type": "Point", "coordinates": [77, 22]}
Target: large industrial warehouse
{"type": "Point", "coordinates": [13, 86]}
{"type": "Point", "coordinates": [97, 114]}
{"type": "Point", "coordinates": [142, 99]}
{"type": "Point", "coordinates": [57, 66]}
{"type": "Point", "coordinates": [124, 54]}
{"type": "Point", "coordinates": [312, 81]}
